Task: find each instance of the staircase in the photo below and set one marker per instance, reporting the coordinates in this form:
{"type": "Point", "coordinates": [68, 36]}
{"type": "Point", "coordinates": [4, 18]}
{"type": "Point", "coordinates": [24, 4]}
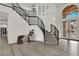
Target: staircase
{"type": "Point", "coordinates": [32, 19]}
{"type": "Point", "coordinates": [52, 37]}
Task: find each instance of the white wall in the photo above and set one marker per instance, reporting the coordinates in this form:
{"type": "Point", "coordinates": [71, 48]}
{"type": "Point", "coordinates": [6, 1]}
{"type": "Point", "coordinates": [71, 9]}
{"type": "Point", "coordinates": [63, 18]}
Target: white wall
{"type": "Point", "coordinates": [58, 21]}
{"type": "Point", "coordinates": [38, 33]}
{"type": "Point", "coordinates": [16, 26]}
{"type": "Point", "coordinates": [25, 6]}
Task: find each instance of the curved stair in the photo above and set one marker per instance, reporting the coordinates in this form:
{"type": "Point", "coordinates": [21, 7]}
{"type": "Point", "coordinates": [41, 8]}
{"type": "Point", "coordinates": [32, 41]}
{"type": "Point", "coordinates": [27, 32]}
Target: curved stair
{"type": "Point", "coordinates": [32, 19]}
{"type": "Point", "coordinates": [28, 16]}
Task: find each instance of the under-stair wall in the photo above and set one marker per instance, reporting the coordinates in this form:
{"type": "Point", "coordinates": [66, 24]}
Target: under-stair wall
{"type": "Point", "coordinates": [16, 24]}
{"type": "Point", "coordinates": [38, 33]}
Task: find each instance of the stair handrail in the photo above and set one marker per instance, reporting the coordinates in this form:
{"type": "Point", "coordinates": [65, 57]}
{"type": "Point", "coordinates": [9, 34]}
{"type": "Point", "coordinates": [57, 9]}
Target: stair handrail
{"type": "Point", "coordinates": [19, 7]}
{"type": "Point", "coordinates": [5, 5]}
{"type": "Point", "coordinates": [56, 31]}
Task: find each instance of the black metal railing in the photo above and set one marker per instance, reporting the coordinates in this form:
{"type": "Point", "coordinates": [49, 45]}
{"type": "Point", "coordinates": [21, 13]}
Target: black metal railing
{"type": "Point", "coordinates": [55, 32]}
{"type": "Point", "coordinates": [20, 11]}
{"type": "Point", "coordinates": [7, 4]}
{"type": "Point", "coordinates": [32, 13]}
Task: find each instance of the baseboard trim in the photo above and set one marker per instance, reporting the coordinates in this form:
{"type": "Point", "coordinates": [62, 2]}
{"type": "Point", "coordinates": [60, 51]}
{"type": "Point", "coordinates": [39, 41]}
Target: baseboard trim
{"type": "Point", "coordinates": [70, 39]}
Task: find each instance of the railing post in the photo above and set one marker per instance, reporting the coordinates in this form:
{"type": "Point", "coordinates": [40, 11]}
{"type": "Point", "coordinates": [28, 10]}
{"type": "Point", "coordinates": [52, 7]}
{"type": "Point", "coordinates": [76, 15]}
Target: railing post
{"type": "Point", "coordinates": [51, 27]}
{"type": "Point", "coordinates": [13, 6]}
{"type": "Point", "coordinates": [38, 21]}
{"type": "Point", "coordinates": [25, 16]}
{"type": "Point", "coordinates": [56, 32]}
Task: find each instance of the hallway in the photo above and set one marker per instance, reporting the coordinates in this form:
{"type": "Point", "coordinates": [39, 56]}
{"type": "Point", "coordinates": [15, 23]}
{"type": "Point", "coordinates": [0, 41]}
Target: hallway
{"type": "Point", "coordinates": [65, 48]}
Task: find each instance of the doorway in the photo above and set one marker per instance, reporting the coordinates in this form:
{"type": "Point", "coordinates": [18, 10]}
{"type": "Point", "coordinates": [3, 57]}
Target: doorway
{"type": "Point", "coordinates": [3, 25]}
{"type": "Point", "coordinates": [71, 29]}
{"type": "Point", "coordinates": [3, 32]}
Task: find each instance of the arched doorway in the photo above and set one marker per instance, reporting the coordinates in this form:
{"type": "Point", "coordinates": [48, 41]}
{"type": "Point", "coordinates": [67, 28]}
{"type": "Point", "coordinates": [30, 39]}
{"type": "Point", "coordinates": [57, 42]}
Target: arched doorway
{"type": "Point", "coordinates": [70, 14]}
